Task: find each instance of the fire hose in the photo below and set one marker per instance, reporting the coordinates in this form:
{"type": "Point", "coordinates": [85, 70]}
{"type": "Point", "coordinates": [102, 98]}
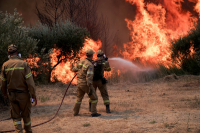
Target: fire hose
{"type": "Point", "coordinates": [57, 109]}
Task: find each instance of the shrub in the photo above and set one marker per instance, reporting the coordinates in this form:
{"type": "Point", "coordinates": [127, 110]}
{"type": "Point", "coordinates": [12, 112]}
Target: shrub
{"type": "Point", "coordinates": [13, 32]}
{"type": "Point", "coordinates": [65, 36]}
{"type": "Point", "coordinates": [181, 49]}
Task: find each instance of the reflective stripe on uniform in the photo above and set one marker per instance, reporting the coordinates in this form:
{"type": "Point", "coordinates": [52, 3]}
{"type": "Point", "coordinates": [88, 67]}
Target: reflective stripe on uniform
{"type": "Point", "coordinates": [90, 100]}
{"type": "Point", "coordinates": [28, 75]}
{"type": "Point", "coordinates": [17, 123]}
{"type": "Point", "coordinates": [106, 101]}
{"type": "Point", "coordinates": [104, 63]}
{"type": "Point", "coordinates": [94, 101]}
{"type": "Point", "coordinates": [90, 72]}
{"type": "Point", "coordinates": [2, 78]}
{"type": "Point", "coordinates": [82, 65]}
{"type": "Point", "coordinates": [14, 68]}
{"type": "Point", "coordinates": [26, 124]}
{"type": "Point", "coordinates": [77, 102]}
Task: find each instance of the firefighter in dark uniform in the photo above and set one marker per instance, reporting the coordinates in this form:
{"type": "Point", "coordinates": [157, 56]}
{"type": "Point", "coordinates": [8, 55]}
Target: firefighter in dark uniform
{"type": "Point", "coordinates": [17, 84]}
{"type": "Point", "coordinates": [99, 81]}
{"type": "Point", "coordinates": [85, 83]}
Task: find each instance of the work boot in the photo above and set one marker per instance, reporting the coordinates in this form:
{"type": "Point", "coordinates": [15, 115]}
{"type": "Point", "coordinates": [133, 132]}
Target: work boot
{"type": "Point", "coordinates": [18, 126]}
{"type": "Point", "coordinates": [76, 109]}
{"type": "Point", "coordinates": [27, 129]}
{"type": "Point", "coordinates": [89, 106]}
{"type": "Point", "coordinates": [108, 109]}
{"type": "Point", "coordinates": [95, 115]}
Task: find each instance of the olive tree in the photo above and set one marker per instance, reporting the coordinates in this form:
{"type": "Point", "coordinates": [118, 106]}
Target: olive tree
{"type": "Point", "coordinates": [64, 36]}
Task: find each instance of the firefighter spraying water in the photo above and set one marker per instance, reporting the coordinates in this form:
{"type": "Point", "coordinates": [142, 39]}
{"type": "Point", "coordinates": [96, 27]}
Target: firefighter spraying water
{"type": "Point", "coordinates": [99, 81]}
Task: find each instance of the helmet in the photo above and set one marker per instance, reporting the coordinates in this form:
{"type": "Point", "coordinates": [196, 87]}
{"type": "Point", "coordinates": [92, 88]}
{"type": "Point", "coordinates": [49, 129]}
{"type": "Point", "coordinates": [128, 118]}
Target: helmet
{"type": "Point", "coordinates": [89, 52]}
{"type": "Point", "coordinates": [12, 48]}
{"type": "Point", "coordinates": [99, 53]}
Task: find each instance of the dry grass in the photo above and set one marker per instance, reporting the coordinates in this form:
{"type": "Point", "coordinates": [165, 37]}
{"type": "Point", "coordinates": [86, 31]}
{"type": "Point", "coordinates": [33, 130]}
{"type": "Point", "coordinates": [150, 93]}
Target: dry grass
{"type": "Point", "coordinates": [164, 105]}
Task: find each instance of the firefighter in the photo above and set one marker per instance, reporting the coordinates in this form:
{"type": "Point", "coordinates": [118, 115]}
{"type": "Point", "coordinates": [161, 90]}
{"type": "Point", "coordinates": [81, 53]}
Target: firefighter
{"type": "Point", "coordinates": [17, 84]}
{"type": "Point", "coordinates": [85, 83]}
{"type": "Point", "coordinates": [99, 80]}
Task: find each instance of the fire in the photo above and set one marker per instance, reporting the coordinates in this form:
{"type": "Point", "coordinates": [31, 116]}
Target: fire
{"type": "Point", "coordinates": [151, 32]}
{"type": "Point", "coordinates": [33, 62]}
{"type": "Point", "coordinates": [153, 29]}
{"type": "Point", "coordinates": [197, 7]}
{"type": "Point", "coordinates": [63, 72]}
{"type": "Point", "coordinates": [90, 44]}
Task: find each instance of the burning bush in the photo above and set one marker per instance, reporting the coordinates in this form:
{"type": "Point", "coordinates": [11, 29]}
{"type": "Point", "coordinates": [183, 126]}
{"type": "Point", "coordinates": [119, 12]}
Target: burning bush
{"type": "Point", "coordinates": [187, 50]}
{"type": "Point", "coordinates": [65, 39]}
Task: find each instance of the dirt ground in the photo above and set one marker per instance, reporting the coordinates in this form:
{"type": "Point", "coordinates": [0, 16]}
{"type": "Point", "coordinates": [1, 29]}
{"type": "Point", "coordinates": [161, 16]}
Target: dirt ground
{"type": "Point", "coordinates": [167, 105]}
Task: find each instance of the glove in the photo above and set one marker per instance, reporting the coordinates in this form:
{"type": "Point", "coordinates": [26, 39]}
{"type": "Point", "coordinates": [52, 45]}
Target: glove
{"type": "Point", "coordinates": [106, 58]}
{"type": "Point", "coordinates": [34, 100]}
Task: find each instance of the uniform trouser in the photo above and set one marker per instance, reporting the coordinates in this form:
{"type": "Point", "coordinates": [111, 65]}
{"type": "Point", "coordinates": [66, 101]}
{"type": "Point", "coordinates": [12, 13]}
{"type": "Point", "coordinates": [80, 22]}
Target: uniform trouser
{"type": "Point", "coordinates": [81, 90]}
{"type": "Point", "coordinates": [103, 91]}
{"type": "Point", "coordinates": [20, 105]}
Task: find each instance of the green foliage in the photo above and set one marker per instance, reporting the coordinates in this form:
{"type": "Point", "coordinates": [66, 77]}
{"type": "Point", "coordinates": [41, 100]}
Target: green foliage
{"type": "Point", "coordinates": [86, 125]}
{"type": "Point", "coordinates": [190, 64]}
{"type": "Point", "coordinates": [152, 122]}
{"type": "Point", "coordinates": [69, 38]}
{"type": "Point", "coordinates": [13, 32]}
{"type": "Point", "coordinates": [44, 99]}
{"type": "Point", "coordinates": [64, 36]}
{"type": "Point", "coordinates": [182, 45]}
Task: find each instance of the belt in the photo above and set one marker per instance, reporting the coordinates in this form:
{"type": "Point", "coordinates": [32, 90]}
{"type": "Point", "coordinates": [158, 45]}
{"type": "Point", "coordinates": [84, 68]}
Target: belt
{"type": "Point", "coordinates": [18, 91]}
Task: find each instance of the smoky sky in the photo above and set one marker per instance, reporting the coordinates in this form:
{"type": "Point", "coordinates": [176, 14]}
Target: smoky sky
{"type": "Point", "coordinates": [24, 7]}
{"type": "Point", "coordinates": [115, 11]}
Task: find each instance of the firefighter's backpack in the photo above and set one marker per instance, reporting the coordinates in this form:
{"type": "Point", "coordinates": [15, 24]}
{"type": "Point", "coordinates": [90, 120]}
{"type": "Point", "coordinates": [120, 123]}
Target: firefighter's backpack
{"type": "Point", "coordinates": [97, 71]}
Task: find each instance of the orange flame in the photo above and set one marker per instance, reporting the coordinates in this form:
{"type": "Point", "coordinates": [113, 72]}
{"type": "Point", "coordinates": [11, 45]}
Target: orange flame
{"type": "Point", "coordinates": [197, 7]}
{"type": "Point", "coordinates": [63, 72]}
{"type": "Point", "coordinates": [153, 29]}
{"type": "Point", "coordinates": [33, 62]}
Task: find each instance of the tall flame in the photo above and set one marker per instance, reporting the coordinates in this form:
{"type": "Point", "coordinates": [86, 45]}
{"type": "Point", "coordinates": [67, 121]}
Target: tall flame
{"type": "Point", "coordinates": [197, 7]}
{"type": "Point", "coordinates": [153, 29]}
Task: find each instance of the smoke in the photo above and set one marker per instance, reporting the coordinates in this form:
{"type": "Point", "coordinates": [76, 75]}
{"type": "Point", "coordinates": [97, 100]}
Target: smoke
{"type": "Point", "coordinates": [24, 7]}
{"type": "Point", "coordinates": [115, 11]}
